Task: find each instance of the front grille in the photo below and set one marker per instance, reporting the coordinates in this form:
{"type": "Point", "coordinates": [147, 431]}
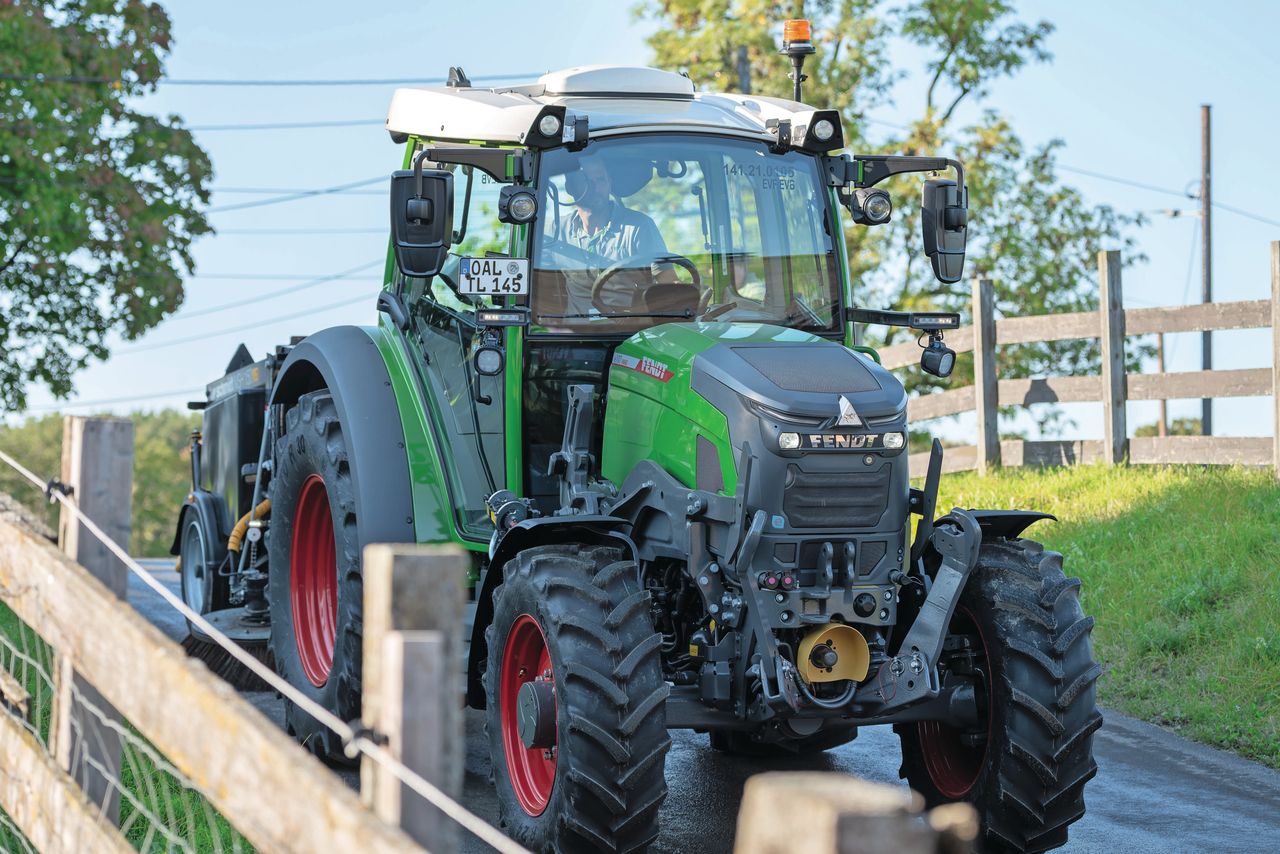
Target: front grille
{"type": "Point", "coordinates": [836, 499]}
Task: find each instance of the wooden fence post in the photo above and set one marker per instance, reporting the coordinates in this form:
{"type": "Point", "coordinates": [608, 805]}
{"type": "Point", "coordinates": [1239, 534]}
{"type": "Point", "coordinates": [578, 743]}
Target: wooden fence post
{"type": "Point", "coordinates": [986, 380]}
{"type": "Point", "coordinates": [414, 603]}
{"type": "Point", "coordinates": [97, 464]}
{"type": "Point", "coordinates": [1111, 314]}
{"type": "Point", "coordinates": [1275, 352]}
{"type": "Point", "coordinates": [829, 813]}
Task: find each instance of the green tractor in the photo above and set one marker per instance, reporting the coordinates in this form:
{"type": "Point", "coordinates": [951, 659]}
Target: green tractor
{"type": "Point", "coordinates": [614, 360]}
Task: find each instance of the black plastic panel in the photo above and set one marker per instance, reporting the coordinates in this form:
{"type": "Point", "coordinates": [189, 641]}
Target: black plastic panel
{"type": "Point", "coordinates": [836, 499]}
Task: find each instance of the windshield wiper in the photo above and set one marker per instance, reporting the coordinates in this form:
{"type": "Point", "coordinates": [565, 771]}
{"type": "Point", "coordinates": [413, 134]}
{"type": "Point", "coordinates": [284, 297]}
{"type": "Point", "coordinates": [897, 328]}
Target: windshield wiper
{"type": "Point", "coordinates": [807, 311]}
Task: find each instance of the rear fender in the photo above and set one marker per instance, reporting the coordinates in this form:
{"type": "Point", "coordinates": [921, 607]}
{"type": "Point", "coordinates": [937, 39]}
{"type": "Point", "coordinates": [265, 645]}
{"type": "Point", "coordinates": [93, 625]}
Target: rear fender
{"type": "Point", "coordinates": [589, 530]}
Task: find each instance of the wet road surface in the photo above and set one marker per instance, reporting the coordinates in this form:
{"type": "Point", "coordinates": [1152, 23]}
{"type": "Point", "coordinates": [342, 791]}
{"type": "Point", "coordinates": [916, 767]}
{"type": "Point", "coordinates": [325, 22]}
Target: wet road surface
{"type": "Point", "coordinates": [1155, 792]}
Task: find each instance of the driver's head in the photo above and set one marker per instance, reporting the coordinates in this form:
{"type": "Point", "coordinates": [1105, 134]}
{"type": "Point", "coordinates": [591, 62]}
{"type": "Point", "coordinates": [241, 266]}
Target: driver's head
{"type": "Point", "coordinates": [590, 185]}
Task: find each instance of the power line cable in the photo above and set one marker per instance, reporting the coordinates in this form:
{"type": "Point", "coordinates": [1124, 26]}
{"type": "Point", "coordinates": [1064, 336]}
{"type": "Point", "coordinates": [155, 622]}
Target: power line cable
{"type": "Point", "coordinates": [240, 232]}
{"type": "Point", "coordinates": [334, 123]}
{"type": "Point", "coordinates": [279, 293]}
{"type": "Point", "coordinates": [180, 81]}
{"type": "Point", "coordinates": [190, 339]}
{"type": "Point", "coordinates": [137, 398]}
{"type": "Point", "coordinates": [292, 197]}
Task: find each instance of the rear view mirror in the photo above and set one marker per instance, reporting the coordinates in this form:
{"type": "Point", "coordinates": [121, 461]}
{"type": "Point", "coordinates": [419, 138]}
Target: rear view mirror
{"type": "Point", "coordinates": [944, 221]}
{"type": "Point", "coordinates": [421, 219]}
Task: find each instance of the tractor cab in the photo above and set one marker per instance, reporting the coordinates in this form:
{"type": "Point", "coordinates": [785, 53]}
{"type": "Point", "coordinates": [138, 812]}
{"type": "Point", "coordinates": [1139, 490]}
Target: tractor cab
{"type": "Point", "coordinates": [623, 200]}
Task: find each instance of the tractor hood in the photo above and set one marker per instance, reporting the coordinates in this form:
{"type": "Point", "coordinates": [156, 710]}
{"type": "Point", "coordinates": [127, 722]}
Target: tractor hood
{"type": "Point", "coordinates": [785, 370]}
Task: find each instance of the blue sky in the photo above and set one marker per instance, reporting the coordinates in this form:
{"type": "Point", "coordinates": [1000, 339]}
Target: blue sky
{"type": "Point", "coordinates": [1123, 93]}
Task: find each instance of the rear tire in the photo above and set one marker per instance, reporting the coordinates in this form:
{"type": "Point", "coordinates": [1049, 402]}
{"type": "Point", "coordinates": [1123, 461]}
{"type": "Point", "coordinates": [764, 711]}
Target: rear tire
{"type": "Point", "coordinates": [1026, 777]}
{"type": "Point", "coordinates": [578, 617]}
{"type": "Point", "coordinates": [315, 587]}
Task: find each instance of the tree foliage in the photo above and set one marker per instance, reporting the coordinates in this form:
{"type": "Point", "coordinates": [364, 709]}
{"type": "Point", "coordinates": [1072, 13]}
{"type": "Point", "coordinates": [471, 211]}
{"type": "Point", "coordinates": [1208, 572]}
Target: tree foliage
{"type": "Point", "coordinates": [161, 472]}
{"type": "Point", "coordinates": [1034, 236]}
{"type": "Point", "coordinates": [99, 201]}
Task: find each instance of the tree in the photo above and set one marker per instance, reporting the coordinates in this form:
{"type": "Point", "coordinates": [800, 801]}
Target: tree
{"type": "Point", "coordinates": [99, 202]}
{"type": "Point", "coordinates": [1035, 237]}
{"type": "Point", "coordinates": [161, 472]}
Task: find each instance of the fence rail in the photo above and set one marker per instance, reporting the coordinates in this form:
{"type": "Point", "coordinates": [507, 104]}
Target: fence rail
{"type": "Point", "coordinates": [1113, 387]}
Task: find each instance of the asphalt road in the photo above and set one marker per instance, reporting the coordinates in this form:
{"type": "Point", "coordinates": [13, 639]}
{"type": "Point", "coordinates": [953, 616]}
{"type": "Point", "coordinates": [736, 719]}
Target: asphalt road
{"type": "Point", "coordinates": [1155, 792]}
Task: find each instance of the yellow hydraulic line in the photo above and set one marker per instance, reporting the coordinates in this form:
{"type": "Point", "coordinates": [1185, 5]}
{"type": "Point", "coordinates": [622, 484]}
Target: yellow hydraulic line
{"type": "Point", "coordinates": [237, 534]}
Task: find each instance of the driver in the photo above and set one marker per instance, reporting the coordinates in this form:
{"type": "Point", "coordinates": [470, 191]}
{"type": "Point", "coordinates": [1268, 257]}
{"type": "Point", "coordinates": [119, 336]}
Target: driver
{"type": "Point", "coordinates": [608, 232]}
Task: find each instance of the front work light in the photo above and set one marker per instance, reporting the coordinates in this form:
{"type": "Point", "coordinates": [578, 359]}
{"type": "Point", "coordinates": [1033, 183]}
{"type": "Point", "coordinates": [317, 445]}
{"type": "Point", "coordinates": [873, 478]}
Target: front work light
{"type": "Point", "coordinates": [871, 206]}
{"type": "Point", "coordinates": [488, 361]}
{"type": "Point", "coordinates": [517, 204]}
{"type": "Point", "coordinates": [549, 125]}
{"type": "Point", "coordinates": [823, 130]}
{"type": "Point", "coordinates": [938, 359]}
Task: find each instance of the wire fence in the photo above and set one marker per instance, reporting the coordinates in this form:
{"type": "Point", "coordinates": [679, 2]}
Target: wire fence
{"type": "Point", "coordinates": [160, 809]}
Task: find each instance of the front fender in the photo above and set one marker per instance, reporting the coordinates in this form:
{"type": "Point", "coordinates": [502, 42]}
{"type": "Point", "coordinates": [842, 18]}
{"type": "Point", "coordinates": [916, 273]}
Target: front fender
{"type": "Point", "coordinates": [595, 530]}
{"type": "Point", "coordinates": [1007, 524]}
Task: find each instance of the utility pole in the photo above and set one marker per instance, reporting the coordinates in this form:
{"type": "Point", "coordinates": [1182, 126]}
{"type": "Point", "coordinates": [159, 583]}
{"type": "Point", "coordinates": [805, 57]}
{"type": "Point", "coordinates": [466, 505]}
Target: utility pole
{"type": "Point", "coordinates": [1206, 279]}
{"type": "Point", "coordinates": [744, 70]}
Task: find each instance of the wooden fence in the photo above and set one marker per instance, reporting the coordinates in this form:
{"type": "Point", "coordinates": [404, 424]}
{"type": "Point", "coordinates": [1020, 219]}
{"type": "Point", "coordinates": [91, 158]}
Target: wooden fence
{"type": "Point", "coordinates": [267, 787]}
{"type": "Point", "coordinates": [1113, 387]}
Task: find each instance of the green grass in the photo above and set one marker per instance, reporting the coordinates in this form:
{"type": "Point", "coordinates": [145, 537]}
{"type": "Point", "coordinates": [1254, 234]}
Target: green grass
{"type": "Point", "coordinates": [1181, 569]}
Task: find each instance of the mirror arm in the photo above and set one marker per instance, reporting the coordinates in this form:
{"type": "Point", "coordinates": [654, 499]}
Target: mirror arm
{"type": "Point", "coordinates": [878, 167]}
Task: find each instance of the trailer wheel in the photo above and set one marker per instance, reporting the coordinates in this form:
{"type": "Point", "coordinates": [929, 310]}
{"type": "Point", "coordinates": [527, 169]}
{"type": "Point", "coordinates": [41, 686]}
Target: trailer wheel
{"type": "Point", "coordinates": [1024, 769]}
{"type": "Point", "coordinates": [203, 589]}
{"type": "Point", "coordinates": [315, 586]}
{"type": "Point", "coordinates": [576, 702]}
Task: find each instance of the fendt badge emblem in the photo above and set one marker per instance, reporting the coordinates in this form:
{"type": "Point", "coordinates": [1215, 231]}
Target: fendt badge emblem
{"type": "Point", "coordinates": [848, 416]}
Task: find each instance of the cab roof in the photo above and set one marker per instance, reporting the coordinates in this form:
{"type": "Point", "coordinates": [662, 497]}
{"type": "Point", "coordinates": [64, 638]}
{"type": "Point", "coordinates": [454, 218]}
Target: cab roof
{"type": "Point", "coordinates": [613, 98]}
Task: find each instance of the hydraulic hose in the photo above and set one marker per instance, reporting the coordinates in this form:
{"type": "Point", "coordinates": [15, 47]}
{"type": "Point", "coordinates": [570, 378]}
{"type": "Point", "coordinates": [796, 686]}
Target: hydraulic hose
{"type": "Point", "coordinates": [237, 534]}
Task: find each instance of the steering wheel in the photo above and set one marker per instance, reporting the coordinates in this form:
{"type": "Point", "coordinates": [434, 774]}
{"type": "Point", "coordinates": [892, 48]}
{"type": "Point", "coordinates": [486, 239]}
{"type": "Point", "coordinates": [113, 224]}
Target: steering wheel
{"type": "Point", "coordinates": [637, 261]}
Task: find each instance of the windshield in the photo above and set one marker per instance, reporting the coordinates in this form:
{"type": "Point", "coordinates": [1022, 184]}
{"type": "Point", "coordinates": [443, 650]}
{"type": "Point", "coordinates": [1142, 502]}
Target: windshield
{"type": "Point", "coordinates": [646, 230]}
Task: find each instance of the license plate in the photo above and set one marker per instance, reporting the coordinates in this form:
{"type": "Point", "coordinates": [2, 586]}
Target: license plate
{"type": "Point", "coordinates": [494, 276]}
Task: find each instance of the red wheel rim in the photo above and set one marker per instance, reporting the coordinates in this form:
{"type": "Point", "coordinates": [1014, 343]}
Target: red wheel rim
{"type": "Point", "coordinates": [313, 581]}
{"type": "Point", "coordinates": [953, 766]}
{"type": "Point", "coordinates": [532, 770]}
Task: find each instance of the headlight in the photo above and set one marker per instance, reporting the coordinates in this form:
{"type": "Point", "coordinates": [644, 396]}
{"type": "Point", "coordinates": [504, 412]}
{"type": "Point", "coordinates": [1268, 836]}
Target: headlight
{"type": "Point", "coordinates": [549, 126]}
{"type": "Point", "coordinates": [788, 441]}
{"type": "Point", "coordinates": [893, 441]}
{"type": "Point", "coordinates": [875, 204]}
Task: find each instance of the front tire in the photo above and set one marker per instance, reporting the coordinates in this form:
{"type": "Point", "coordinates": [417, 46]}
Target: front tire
{"type": "Point", "coordinates": [315, 585]}
{"type": "Point", "coordinates": [574, 621]}
{"type": "Point", "coordinates": [1025, 770]}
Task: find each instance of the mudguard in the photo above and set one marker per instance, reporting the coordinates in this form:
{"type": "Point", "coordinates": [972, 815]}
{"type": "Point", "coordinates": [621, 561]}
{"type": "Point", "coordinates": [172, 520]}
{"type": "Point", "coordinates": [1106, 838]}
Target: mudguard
{"type": "Point", "coordinates": [346, 360]}
{"type": "Point", "coordinates": [1007, 524]}
{"type": "Point", "coordinates": [529, 533]}
{"type": "Point", "coordinates": [214, 518]}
